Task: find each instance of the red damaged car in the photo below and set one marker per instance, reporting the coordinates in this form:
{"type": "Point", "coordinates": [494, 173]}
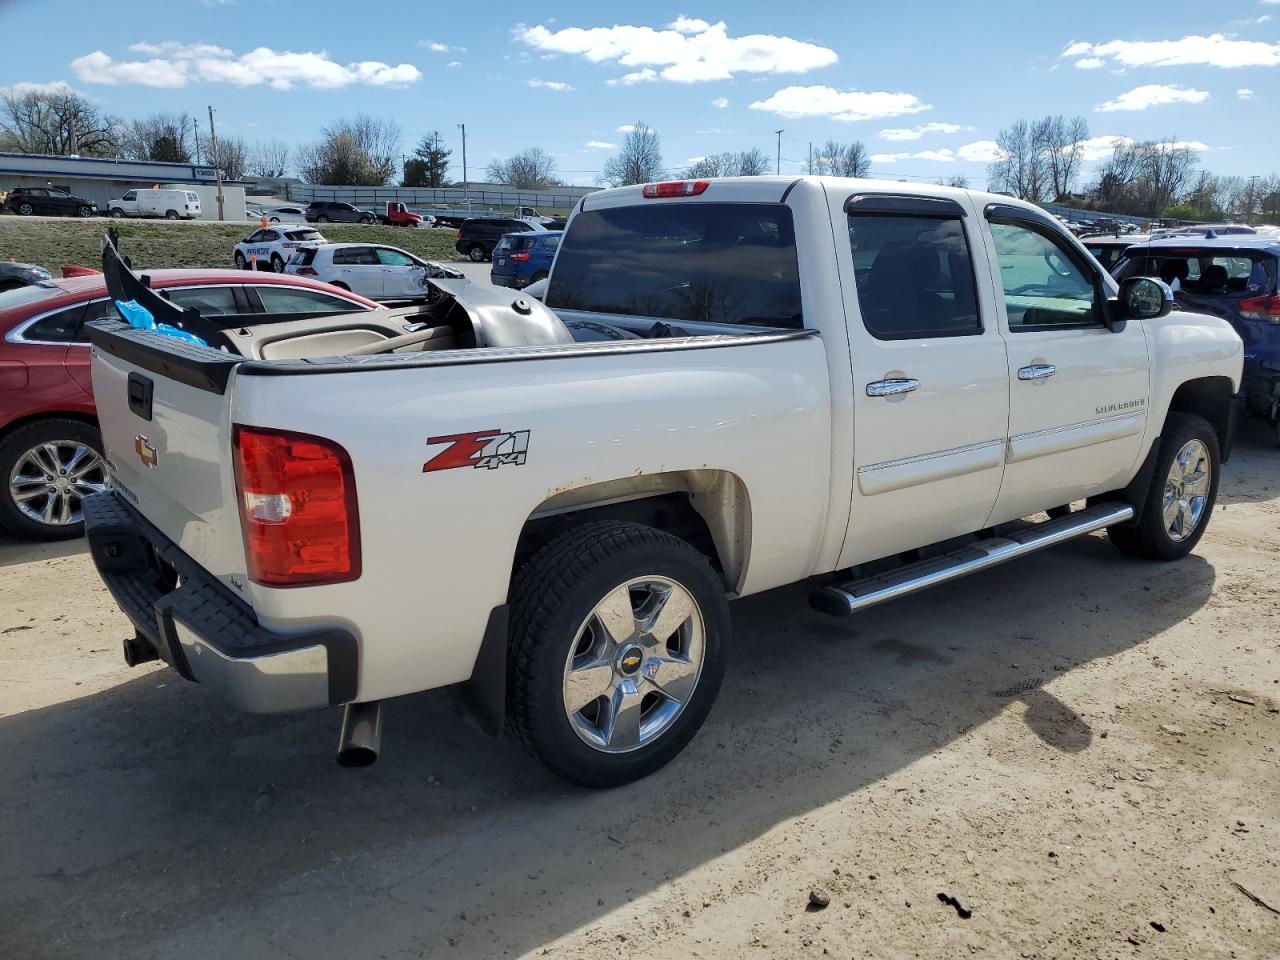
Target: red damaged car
{"type": "Point", "coordinates": [49, 447]}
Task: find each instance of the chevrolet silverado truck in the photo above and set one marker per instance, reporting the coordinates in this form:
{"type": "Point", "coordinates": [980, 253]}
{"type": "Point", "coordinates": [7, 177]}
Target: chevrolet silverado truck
{"type": "Point", "coordinates": [732, 385]}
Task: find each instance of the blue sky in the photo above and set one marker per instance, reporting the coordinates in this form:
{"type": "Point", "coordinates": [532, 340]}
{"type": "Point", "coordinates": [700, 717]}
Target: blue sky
{"type": "Point", "coordinates": [925, 84]}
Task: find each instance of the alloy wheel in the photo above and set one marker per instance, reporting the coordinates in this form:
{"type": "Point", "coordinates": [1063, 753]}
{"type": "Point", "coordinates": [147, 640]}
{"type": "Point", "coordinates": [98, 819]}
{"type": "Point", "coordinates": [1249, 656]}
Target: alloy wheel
{"type": "Point", "coordinates": [49, 482]}
{"type": "Point", "coordinates": [1186, 490]}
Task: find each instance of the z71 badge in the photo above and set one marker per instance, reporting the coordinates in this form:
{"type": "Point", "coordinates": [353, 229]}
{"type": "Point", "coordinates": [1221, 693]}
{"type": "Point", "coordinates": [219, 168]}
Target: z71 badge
{"type": "Point", "coordinates": [489, 449]}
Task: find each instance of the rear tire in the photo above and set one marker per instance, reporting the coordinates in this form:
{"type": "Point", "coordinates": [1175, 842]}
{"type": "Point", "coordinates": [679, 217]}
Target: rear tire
{"type": "Point", "coordinates": [476, 253]}
{"type": "Point", "coordinates": [171, 214]}
{"type": "Point", "coordinates": [322, 219]}
{"type": "Point", "coordinates": [25, 209]}
{"type": "Point", "coordinates": [579, 612]}
{"type": "Point", "coordinates": [32, 480]}
{"type": "Point", "coordinates": [241, 264]}
{"type": "Point", "coordinates": [277, 263]}
{"type": "Point", "coordinates": [1184, 489]}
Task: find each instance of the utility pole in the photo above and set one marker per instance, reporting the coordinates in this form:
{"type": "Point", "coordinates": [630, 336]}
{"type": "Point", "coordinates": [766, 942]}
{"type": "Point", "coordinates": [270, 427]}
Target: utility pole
{"type": "Point", "coordinates": [466, 187]}
{"type": "Point", "coordinates": [436, 179]}
{"type": "Point", "coordinates": [195, 130]}
{"type": "Point", "coordinates": [810, 158]}
{"type": "Point", "coordinates": [213, 157]}
{"type": "Point", "coordinates": [778, 167]}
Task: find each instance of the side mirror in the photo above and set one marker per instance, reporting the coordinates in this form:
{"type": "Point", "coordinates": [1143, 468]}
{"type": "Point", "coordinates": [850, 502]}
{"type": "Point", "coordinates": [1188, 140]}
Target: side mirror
{"type": "Point", "coordinates": [1145, 298]}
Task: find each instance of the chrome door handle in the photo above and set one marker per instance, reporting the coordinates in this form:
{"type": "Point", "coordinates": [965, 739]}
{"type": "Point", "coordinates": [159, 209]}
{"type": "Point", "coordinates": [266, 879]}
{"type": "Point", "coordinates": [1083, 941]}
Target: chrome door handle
{"type": "Point", "coordinates": [1037, 371]}
{"type": "Point", "coordinates": [892, 388]}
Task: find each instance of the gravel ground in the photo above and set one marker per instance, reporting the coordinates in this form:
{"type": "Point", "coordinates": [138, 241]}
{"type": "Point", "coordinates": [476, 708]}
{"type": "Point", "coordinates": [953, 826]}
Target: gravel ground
{"type": "Point", "coordinates": [54, 242]}
{"type": "Point", "coordinates": [1078, 748]}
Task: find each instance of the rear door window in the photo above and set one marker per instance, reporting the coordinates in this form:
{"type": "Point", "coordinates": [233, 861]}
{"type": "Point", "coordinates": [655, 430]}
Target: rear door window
{"type": "Point", "coordinates": [282, 299]}
{"type": "Point", "coordinates": [732, 263]}
{"type": "Point", "coordinates": [210, 301]}
{"type": "Point", "coordinates": [914, 276]}
{"type": "Point", "coordinates": [59, 327]}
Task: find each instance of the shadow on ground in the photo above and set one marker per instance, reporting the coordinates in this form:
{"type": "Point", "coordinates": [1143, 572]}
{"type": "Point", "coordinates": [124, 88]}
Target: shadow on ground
{"type": "Point", "coordinates": [150, 820]}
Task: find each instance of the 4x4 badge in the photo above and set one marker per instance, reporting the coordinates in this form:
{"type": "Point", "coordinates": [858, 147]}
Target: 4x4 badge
{"type": "Point", "coordinates": [483, 448]}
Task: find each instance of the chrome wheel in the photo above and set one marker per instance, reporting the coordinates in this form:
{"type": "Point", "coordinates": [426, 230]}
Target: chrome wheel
{"type": "Point", "coordinates": [1186, 491]}
{"type": "Point", "coordinates": [634, 664]}
{"type": "Point", "coordinates": [49, 481]}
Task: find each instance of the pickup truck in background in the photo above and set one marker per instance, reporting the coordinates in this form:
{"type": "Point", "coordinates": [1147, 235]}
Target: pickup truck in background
{"type": "Point", "coordinates": [733, 385]}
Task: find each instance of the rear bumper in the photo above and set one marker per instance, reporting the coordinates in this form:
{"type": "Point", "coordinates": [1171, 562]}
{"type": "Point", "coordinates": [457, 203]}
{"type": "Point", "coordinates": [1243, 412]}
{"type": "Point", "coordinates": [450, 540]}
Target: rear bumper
{"type": "Point", "coordinates": [205, 632]}
{"type": "Point", "coordinates": [498, 280]}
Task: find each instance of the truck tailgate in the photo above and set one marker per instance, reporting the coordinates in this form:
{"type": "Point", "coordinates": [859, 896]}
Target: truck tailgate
{"type": "Point", "coordinates": [168, 447]}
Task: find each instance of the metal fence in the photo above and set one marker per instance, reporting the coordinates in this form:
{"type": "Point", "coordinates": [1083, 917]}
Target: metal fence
{"type": "Point", "coordinates": [480, 199]}
{"type": "Point", "coordinates": [1092, 216]}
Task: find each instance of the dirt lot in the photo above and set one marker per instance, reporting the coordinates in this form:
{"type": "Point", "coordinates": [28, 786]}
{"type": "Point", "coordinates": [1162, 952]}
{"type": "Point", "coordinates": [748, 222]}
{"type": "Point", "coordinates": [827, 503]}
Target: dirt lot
{"type": "Point", "coordinates": [1081, 746]}
{"type": "Point", "coordinates": [54, 242]}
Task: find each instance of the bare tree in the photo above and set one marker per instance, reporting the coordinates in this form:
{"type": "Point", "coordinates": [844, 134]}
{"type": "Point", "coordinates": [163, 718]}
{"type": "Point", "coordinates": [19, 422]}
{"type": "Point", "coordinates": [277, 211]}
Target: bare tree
{"type": "Point", "coordinates": [639, 160]}
{"type": "Point", "coordinates": [269, 159]}
{"type": "Point", "coordinates": [1062, 143]}
{"type": "Point", "coordinates": [532, 169]}
{"type": "Point", "coordinates": [1146, 178]}
{"type": "Point", "coordinates": [359, 152]}
{"type": "Point", "coordinates": [745, 163]}
{"type": "Point", "coordinates": [959, 180]}
{"type": "Point", "coordinates": [842, 160]}
{"type": "Point", "coordinates": [1021, 169]}
{"type": "Point", "coordinates": [231, 157]}
{"type": "Point", "coordinates": [169, 137]}
{"type": "Point", "coordinates": [56, 121]}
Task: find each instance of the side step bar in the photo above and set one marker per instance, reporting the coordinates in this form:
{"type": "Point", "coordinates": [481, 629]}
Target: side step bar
{"type": "Point", "coordinates": [843, 599]}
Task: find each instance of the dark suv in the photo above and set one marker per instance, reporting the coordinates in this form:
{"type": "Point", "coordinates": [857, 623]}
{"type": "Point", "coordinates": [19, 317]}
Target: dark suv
{"type": "Point", "coordinates": [1231, 277]}
{"type": "Point", "coordinates": [333, 211]}
{"type": "Point", "coordinates": [477, 238]}
{"type": "Point", "coordinates": [27, 201]}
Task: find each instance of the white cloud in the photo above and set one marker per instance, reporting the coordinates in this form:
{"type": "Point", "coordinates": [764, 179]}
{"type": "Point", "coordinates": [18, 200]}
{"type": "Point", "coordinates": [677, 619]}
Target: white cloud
{"type": "Point", "coordinates": [980, 151]}
{"type": "Point", "coordinates": [686, 51]}
{"type": "Point", "coordinates": [454, 63]}
{"type": "Point", "coordinates": [637, 76]}
{"type": "Point", "coordinates": [1152, 95]}
{"type": "Point", "coordinates": [178, 64]}
{"type": "Point", "coordinates": [1091, 63]}
{"type": "Point", "coordinates": [845, 105]}
{"type": "Point", "coordinates": [694, 159]}
{"type": "Point", "coordinates": [601, 145]}
{"type": "Point", "coordinates": [720, 103]}
{"type": "Point", "coordinates": [625, 128]}
{"type": "Point", "coordinates": [434, 46]}
{"type": "Point", "coordinates": [915, 133]}
{"type": "Point", "coordinates": [1215, 50]}
{"type": "Point", "coordinates": [1244, 93]}
{"type": "Point", "coordinates": [557, 85]}
{"type": "Point", "coordinates": [945, 155]}
{"type": "Point", "coordinates": [23, 88]}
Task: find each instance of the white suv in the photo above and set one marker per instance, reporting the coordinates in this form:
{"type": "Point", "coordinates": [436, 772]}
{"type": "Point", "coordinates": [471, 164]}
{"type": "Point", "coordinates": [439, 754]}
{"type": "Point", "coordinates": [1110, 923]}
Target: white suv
{"type": "Point", "coordinates": [369, 269]}
{"type": "Point", "coordinates": [273, 246]}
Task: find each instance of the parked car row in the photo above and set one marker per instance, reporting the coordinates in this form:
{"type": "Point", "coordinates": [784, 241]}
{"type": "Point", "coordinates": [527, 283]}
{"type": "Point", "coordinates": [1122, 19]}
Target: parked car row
{"type": "Point", "coordinates": [49, 202]}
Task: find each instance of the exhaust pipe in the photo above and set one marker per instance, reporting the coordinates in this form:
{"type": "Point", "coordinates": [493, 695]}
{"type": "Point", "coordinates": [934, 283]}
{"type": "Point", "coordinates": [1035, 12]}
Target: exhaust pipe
{"type": "Point", "coordinates": [137, 650]}
{"type": "Point", "coordinates": [361, 734]}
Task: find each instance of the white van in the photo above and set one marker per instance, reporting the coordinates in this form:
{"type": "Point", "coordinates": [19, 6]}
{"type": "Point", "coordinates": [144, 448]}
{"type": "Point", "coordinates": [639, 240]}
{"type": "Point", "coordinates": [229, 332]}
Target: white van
{"type": "Point", "coordinates": [172, 204]}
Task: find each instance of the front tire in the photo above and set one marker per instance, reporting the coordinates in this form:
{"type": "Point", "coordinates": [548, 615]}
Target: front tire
{"type": "Point", "coordinates": [277, 263]}
{"type": "Point", "coordinates": [619, 640]}
{"type": "Point", "coordinates": [85, 211]}
{"type": "Point", "coordinates": [49, 467]}
{"type": "Point", "coordinates": [117, 213]}
{"type": "Point", "coordinates": [240, 261]}
{"type": "Point", "coordinates": [1184, 488]}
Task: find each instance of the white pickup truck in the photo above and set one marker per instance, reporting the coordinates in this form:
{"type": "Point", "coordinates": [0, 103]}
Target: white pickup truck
{"type": "Point", "coordinates": [732, 386]}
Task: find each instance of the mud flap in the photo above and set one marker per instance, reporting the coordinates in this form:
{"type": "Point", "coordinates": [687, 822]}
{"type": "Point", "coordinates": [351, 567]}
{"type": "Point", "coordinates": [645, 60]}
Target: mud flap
{"type": "Point", "coordinates": [483, 698]}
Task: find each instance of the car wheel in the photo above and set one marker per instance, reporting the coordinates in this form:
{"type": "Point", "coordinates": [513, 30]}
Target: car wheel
{"type": "Point", "coordinates": [241, 264]}
{"type": "Point", "coordinates": [85, 210]}
{"type": "Point", "coordinates": [340, 285]}
{"type": "Point", "coordinates": [275, 219]}
{"type": "Point", "coordinates": [50, 466]}
{"type": "Point", "coordinates": [171, 214]}
{"type": "Point", "coordinates": [277, 263]}
{"type": "Point", "coordinates": [366, 220]}
{"type": "Point", "coordinates": [322, 219]}
{"type": "Point", "coordinates": [117, 213]}
{"type": "Point", "coordinates": [619, 639]}
{"type": "Point", "coordinates": [1184, 488]}
{"type": "Point", "coordinates": [476, 253]}
{"type": "Point", "coordinates": [25, 209]}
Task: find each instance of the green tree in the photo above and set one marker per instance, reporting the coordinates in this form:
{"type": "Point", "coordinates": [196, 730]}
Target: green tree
{"type": "Point", "coordinates": [429, 166]}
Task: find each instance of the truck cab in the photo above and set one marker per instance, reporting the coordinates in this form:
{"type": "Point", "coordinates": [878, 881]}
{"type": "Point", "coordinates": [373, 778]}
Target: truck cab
{"type": "Point", "coordinates": [398, 215]}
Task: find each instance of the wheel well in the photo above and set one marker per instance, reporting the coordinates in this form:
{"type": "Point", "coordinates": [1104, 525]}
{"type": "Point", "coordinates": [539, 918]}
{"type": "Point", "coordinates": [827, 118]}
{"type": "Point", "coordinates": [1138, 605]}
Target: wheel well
{"type": "Point", "coordinates": [708, 509]}
{"type": "Point", "coordinates": [21, 422]}
{"type": "Point", "coordinates": [1208, 397]}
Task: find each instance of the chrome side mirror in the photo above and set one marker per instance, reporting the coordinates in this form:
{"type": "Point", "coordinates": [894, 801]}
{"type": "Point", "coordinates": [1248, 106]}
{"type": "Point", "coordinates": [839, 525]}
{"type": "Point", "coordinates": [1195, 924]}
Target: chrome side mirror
{"type": "Point", "coordinates": [1145, 298]}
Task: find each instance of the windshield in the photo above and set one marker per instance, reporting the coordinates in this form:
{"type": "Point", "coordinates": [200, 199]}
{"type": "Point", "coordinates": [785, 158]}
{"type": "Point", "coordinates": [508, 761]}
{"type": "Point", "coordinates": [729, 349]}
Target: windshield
{"type": "Point", "coordinates": [1217, 272]}
{"type": "Point", "coordinates": [711, 262]}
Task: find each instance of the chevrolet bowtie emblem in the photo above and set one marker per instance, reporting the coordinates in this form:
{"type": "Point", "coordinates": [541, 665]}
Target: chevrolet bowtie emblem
{"type": "Point", "coordinates": [146, 450]}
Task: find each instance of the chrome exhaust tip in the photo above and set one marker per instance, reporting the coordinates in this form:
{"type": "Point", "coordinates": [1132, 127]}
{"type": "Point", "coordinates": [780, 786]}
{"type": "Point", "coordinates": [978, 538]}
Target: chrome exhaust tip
{"type": "Point", "coordinates": [361, 734]}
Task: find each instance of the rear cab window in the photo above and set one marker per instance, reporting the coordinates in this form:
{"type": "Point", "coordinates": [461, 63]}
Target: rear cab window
{"type": "Point", "coordinates": [704, 262]}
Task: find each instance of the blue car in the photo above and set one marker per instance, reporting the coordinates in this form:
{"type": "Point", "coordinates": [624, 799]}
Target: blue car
{"type": "Point", "coordinates": [520, 259]}
{"type": "Point", "coordinates": [1233, 277]}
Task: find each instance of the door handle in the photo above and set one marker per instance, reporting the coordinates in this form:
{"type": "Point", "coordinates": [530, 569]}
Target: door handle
{"type": "Point", "coordinates": [892, 388]}
{"type": "Point", "coordinates": [1037, 371]}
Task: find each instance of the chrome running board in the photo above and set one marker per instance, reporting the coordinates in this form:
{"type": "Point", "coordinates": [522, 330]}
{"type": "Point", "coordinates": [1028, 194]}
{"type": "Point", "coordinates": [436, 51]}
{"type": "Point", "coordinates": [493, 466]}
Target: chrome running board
{"type": "Point", "coordinates": [843, 599]}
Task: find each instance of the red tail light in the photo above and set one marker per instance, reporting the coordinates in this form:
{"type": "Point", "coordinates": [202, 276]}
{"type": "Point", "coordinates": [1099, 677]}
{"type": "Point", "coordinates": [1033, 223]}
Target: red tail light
{"type": "Point", "coordinates": [297, 498]}
{"type": "Point", "coordinates": [307, 272]}
{"type": "Point", "coordinates": [520, 257]}
{"type": "Point", "coordinates": [1261, 308]}
{"type": "Point", "coordinates": [458, 236]}
{"type": "Point", "coordinates": [674, 188]}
